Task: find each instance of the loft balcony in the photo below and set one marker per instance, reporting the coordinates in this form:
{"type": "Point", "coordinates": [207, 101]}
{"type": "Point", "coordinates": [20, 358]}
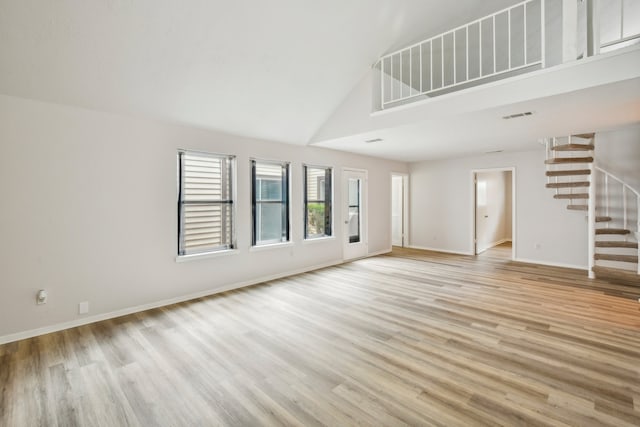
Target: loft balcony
{"type": "Point", "coordinates": [529, 36]}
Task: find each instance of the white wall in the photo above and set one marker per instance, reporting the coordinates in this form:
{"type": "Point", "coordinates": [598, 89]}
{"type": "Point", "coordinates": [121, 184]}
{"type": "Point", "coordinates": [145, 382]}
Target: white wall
{"type": "Point", "coordinates": [618, 152]}
{"type": "Point", "coordinates": [89, 213]}
{"type": "Point", "coordinates": [441, 195]}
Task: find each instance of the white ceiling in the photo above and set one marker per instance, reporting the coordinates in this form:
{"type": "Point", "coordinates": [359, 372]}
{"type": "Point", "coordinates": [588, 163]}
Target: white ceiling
{"type": "Point", "coordinates": [268, 69]}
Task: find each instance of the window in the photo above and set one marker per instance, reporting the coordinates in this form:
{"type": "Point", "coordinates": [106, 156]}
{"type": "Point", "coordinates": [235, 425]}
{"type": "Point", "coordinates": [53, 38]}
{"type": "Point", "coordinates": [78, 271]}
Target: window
{"type": "Point", "coordinates": [206, 214]}
{"type": "Point", "coordinates": [317, 202]}
{"type": "Point", "coordinates": [270, 202]}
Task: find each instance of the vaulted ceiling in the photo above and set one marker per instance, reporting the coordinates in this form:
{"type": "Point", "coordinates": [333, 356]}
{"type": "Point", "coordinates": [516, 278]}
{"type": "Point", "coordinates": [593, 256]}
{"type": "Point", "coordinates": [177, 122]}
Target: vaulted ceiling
{"type": "Point", "coordinates": [268, 69]}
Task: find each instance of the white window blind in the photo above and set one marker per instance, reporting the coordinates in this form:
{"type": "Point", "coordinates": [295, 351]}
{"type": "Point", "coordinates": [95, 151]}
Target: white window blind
{"type": "Point", "coordinates": [205, 202]}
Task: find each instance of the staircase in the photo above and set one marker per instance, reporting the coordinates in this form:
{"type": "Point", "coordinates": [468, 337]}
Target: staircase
{"type": "Point", "coordinates": [611, 205]}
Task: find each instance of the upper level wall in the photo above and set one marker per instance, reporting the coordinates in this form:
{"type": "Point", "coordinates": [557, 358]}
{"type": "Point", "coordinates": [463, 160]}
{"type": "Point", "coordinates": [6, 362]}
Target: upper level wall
{"type": "Point", "coordinates": [353, 117]}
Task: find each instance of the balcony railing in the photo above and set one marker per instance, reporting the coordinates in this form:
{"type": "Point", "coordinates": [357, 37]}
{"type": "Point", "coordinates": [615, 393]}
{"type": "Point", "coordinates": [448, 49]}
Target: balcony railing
{"type": "Point", "coordinates": [512, 41]}
{"type": "Point", "coordinates": [619, 22]}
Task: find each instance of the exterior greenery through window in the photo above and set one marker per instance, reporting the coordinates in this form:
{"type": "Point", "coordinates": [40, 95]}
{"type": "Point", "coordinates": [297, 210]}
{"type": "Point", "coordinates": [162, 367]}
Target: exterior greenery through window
{"type": "Point", "coordinates": [270, 202]}
{"type": "Point", "coordinates": [206, 214]}
{"type": "Point", "coordinates": [317, 201]}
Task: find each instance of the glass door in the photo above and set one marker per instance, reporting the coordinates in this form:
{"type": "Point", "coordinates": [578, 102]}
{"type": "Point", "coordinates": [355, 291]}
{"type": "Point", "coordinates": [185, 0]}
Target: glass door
{"type": "Point", "coordinates": [355, 214]}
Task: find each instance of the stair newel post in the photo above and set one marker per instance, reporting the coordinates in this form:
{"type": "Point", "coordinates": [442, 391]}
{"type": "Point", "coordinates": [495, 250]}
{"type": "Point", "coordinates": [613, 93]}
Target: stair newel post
{"type": "Point", "coordinates": [382, 84]}
{"type": "Point", "coordinates": [547, 155]}
{"type": "Point", "coordinates": [593, 28]}
{"type": "Point", "coordinates": [591, 219]}
{"type": "Point", "coordinates": [606, 195]}
{"type": "Point", "coordinates": [543, 34]}
{"type": "Point", "coordinates": [555, 142]}
{"type": "Point", "coordinates": [624, 208]}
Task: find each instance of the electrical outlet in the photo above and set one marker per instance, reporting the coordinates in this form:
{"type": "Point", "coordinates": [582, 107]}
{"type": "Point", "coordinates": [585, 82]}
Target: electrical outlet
{"type": "Point", "coordinates": [83, 307]}
{"type": "Point", "coordinates": [41, 297]}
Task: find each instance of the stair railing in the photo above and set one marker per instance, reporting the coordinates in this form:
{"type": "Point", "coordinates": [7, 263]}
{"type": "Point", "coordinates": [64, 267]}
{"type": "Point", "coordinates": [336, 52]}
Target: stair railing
{"type": "Point", "coordinates": [618, 30]}
{"type": "Point", "coordinates": [626, 189]}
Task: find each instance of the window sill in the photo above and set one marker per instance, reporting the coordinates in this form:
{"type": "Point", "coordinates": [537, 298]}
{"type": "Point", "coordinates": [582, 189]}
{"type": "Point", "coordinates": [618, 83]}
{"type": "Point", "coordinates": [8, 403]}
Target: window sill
{"type": "Point", "coordinates": [270, 246]}
{"type": "Point", "coordinates": [193, 257]}
{"type": "Point", "coordinates": [318, 240]}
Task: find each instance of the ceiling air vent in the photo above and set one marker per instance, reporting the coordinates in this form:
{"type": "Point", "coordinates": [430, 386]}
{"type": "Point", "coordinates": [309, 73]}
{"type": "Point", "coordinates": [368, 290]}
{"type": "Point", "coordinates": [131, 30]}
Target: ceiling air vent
{"type": "Point", "coordinates": [370, 141]}
{"type": "Point", "coordinates": [515, 116]}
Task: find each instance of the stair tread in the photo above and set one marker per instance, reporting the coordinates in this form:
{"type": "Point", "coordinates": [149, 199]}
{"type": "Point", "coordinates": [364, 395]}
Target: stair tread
{"type": "Point", "coordinates": [603, 218]}
{"type": "Point", "coordinates": [568, 184]}
{"type": "Point", "coordinates": [569, 172]}
{"type": "Point", "coordinates": [578, 207]}
{"type": "Point", "coordinates": [584, 135]}
{"type": "Point", "coordinates": [571, 196]}
{"type": "Point", "coordinates": [616, 257]}
{"type": "Point", "coordinates": [612, 231]}
{"type": "Point", "coordinates": [564, 160]}
{"type": "Point", "coordinates": [574, 147]}
{"type": "Point", "coordinates": [616, 244]}
{"type": "Point", "coordinates": [617, 273]}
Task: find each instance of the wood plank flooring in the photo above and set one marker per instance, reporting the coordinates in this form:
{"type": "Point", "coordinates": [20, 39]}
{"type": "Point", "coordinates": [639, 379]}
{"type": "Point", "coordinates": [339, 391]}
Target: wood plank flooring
{"type": "Point", "coordinates": [413, 338]}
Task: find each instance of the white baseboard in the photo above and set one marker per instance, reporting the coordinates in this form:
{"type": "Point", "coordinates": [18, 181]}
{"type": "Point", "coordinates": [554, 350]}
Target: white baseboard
{"type": "Point", "coordinates": [423, 248]}
{"type": "Point", "coordinates": [552, 264]}
{"type": "Point", "coordinates": [524, 260]}
{"type": "Point", "coordinates": [130, 310]}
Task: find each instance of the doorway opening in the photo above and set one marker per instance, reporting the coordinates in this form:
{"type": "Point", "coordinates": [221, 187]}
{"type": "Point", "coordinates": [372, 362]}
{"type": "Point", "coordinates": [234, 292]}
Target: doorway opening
{"type": "Point", "coordinates": [494, 213]}
{"type": "Point", "coordinates": [399, 209]}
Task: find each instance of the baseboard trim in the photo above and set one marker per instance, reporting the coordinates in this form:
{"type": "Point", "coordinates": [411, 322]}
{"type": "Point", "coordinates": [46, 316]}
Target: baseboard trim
{"type": "Point", "coordinates": [552, 264]}
{"type": "Point", "coordinates": [423, 248]}
{"type": "Point", "coordinates": [136, 309]}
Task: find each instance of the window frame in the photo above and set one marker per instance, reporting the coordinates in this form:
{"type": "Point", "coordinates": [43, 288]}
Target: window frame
{"type": "Point", "coordinates": [328, 201]}
{"type": "Point", "coordinates": [231, 202]}
{"type": "Point", "coordinates": [284, 200]}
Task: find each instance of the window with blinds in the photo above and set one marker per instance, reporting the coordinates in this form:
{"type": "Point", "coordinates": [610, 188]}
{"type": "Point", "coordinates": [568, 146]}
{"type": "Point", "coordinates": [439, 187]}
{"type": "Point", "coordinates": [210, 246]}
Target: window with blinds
{"type": "Point", "coordinates": [317, 201]}
{"type": "Point", "coordinates": [270, 202]}
{"type": "Point", "coordinates": [205, 202]}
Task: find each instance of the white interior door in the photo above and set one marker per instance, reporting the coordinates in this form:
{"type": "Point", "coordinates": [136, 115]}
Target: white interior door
{"type": "Point", "coordinates": [481, 213]}
{"type": "Point", "coordinates": [354, 214]}
{"type": "Point", "coordinates": [398, 203]}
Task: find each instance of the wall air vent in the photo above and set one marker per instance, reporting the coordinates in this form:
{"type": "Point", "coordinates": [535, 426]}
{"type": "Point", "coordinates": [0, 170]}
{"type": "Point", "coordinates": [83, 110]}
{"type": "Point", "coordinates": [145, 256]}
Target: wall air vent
{"type": "Point", "coordinates": [370, 141]}
{"type": "Point", "coordinates": [515, 116]}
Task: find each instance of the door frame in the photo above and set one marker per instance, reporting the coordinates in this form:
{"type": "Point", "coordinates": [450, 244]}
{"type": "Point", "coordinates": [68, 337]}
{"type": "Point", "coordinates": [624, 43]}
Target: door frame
{"type": "Point", "coordinates": [405, 208]}
{"type": "Point", "coordinates": [364, 208]}
{"type": "Point", "coordinates": [474, 202]}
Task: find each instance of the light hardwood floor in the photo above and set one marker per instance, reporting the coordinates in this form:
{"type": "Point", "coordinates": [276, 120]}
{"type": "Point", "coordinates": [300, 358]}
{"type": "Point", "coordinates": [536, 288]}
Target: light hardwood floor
{"type": "Point", "coordinates": [414, 338]}
{"type": "Point", "coordinates": [502, 251]}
